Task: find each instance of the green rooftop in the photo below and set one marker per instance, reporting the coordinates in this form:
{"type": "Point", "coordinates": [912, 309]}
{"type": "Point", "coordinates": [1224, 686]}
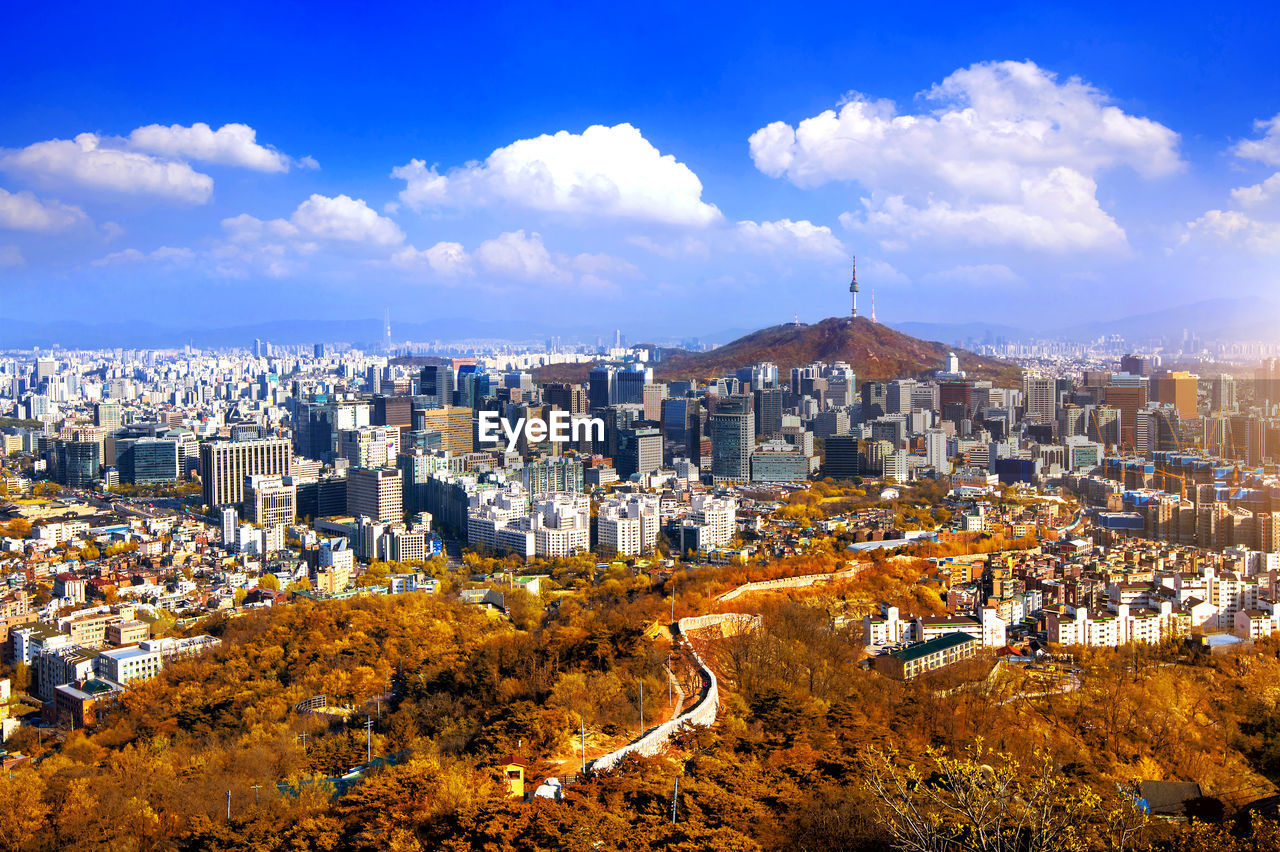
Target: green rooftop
{"type": "Point", "coordinates": [933, 646]}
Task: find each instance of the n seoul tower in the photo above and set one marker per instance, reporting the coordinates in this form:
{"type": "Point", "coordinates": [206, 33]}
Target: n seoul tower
{"type": "Point", "coordinates": [853, 285]}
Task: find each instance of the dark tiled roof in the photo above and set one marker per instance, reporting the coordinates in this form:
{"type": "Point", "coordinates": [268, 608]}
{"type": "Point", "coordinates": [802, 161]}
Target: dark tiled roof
{"type": "Point", "coordinates": [933, 646]}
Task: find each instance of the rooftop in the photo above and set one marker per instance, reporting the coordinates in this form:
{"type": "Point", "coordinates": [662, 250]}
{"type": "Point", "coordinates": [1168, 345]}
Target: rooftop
{"type": "Point", "coordinates": [933, 646]}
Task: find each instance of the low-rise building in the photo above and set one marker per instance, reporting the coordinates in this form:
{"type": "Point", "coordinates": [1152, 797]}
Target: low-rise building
{"type": "Point", "coordinates": [931, 655]}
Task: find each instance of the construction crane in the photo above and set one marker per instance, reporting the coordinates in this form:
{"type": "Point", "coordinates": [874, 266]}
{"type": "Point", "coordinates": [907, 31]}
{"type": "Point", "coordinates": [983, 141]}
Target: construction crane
{"type": "Point", "coordinates": [1182, 481]}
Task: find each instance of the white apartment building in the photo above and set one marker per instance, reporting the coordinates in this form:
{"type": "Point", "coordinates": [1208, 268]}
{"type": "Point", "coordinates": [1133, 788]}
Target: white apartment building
{"type": "Point", "coordinates": [557, 525]}
{"type": "Point", "coordinates": [628, 524]}
{"type": "Point", "coordinates": [490, 510]}
{"type": "Point", "coordinates": [889, 628]}
{"type": "Point", "coordinates": [1113, 629]}
{"type": "Point", "coordinates": [1256, 623]}
{"type": "Point", "coordinates": [710, 524]}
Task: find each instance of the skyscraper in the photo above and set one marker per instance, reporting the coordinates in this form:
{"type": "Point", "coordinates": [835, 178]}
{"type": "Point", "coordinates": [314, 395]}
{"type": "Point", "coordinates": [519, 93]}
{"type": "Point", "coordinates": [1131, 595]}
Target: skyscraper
{"type": "Point", "coordinates": [270, 500]}
{"type": "Point", "coordinates": [435, 381]}
{"type": "Point", "coordinates": [1223, 395]}
{"type": "Point", "coordinates": [600, 387]}
{"type": "Point", "coordinates": [107, 415]}
{"type": "Point", "coordinates": [454, 425]}
{"type": "Point", "coordinates": [630, 383]}
{"type": "Point", "coordinates": [1040, 394]}
{"type": "Point", "coordinates": [639, 451]}
{"type": "Point", "coordinates": [225, 464]}
{"type": "Point", "coordinates": [733, 437]}
{"type": "Point", "coordinates": [1177, 389]}
{"type": "Point", "coordinates": [768, 410]}
{"type": "Point", "coordinates": [376, 494]}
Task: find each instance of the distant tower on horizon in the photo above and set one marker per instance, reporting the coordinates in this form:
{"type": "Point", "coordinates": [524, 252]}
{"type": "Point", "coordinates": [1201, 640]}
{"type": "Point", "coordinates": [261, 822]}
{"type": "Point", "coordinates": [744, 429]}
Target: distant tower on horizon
{"type": "Point", "coordinates": [386, 338]}
{"type": "Point", "coordinates": [853, 285]}
{"type": "Point", "coordinates": [873, 304]}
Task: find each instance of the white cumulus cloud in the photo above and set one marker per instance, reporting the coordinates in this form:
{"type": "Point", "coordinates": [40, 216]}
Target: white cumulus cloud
{"type": "Point", "coordinates": [514, 257]}
{"type": "Point", "coordinates": [604, 171]}
{"type": "Point", "coordinates": [994, 140]}
{"type": "Point", "coordinates": [87, 162]}
{"type": "Point", "coordinates": [797, 238]}
{"type": "Point", "coordinates": [230, 145]}
{"type": "Point", "coordinates": [341, 219]}
{"type": "Point", "coordinates": [1057, 213]}
{"type": "Point", "coordinates": [1236, 229]}
{"type": "Point", "coordinates": [1256, 227]}
{"type": "Point", "coordinates": [345, 218]}
{"type": "Point", "coordinates": [520, 256]}
{"type": "Point", "coordinates": [1264, 150]}
{"type": "Point", "coordinates": [1259, 193]}
{"type": "Point", "coordinates": [447, 259]}
{"type": "Point", "coordinates": [23, 211]}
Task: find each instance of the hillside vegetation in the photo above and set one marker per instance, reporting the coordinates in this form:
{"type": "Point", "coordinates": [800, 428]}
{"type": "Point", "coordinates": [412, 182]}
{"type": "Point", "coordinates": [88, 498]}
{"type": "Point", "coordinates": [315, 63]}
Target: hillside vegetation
{"type": "Point", "coordinates": [875, 351]}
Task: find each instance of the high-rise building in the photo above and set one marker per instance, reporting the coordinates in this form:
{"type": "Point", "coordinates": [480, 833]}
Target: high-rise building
{"type": "Point", "coordinates": [454, 425]}
{"type": "Point", "coordinates": [107, 415]}
{"type": "Point", "coordinates": [473, 385]}
{"type": "Point", "coordinates": [630, 382]}
{"type": "Point", "coordinates": [1178, 389]}
{"type": "Point", "coordinates": [711, 523]}
{"type": "Point", "coordinates": [566, 397]}
{"type": "Point", "coordinates": [435, 381]}
{"type": "Point", "coordinates": [376, 494]}
{"type": "Point", "coordinates": [392, 411]}
{"type": "Point", "coordinates": [779, 461]}
{"type": "Point", "coordinates": [957, 397]}
{"type": "Point", "coordinates": [841, 459]}
{"type": "Point", "coordinates": [898, 396]}
{"type": "Point", "coordinates": [144, 461]}
{"type": "Point", "coordinates": [270, 500]}
{"type": "Point", "coordinates": [768, 403]}
{"type": "Point", "coordinates": [316, 425]}
{"type": "Point", "coordinates": [77, 463]}
{"type": "Point", "coordinates": [733, 438]}
{"type": "Point", "coordinates": [935, 450]}
{"type": "Point", "coordinates": [873, 400]}
{"type": "Point", "coordinates": [639, 451]}
{"type": "Point", "coordinates": [601, 391]}
{"type": "Point", "coordinates": [628, 525]}
{"type": "Point", "coordinates": [1041, 398]}
{"type": "Point", "coordinates": [1138, 365]}
{"type": "Point", "coordinates": [551, 475]}
{"type": "Point", "coordinates": [369, 446]}
{"type": "Point", "coordinates": [682, 427]}
{"type": "Point", "coordinates": [1223, 395]}
{"type": "Point", "coordinates": [225, 464]}
{"type": "Point", "coordinates": [1129, 400]}
{"type": "Point", "coordinates": [653, 396]}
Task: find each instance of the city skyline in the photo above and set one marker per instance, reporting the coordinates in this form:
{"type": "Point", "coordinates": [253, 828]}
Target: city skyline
{"type": "Point", "coordinates": [664, 182]}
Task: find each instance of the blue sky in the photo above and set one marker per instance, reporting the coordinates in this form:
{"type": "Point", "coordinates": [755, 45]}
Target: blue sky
{"type": "Point", "coordinates": [667, 169]}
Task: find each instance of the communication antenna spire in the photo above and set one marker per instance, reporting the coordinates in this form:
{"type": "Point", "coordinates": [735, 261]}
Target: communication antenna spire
{"type": "Point", "coordinates": [873, 305]}
{"type": "Point", "coordinates": [853, 283]}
